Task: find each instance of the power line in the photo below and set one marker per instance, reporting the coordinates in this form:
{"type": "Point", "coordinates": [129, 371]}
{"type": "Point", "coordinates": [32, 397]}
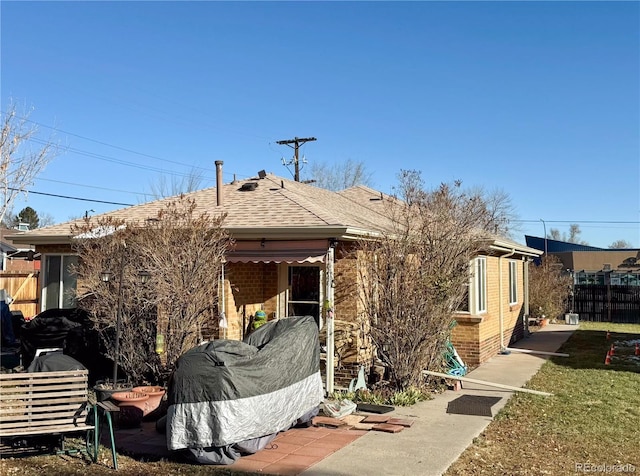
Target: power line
{"type": "Point", "coordinates": [123, 162]}
{"type": "Point", "coordinates": [96, 187]}
{"type": "Point", "coordinates": [107, 158]}
{"type": "Point", "coordinates": [72, 198]}
{"type": "Point", "coordinates": [581, 221]}
{"type": "Point", "coordinates": [142, 154]}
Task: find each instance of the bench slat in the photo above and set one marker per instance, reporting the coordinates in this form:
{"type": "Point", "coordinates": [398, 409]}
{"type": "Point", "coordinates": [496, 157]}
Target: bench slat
{"type": "Point", "coordinates": [46, 430]}
{"type": "Point", "coordinates": [41, 393]}
{"type": "Point", "coordinates": [18, 387]}
{"type": "Point", "coordinates": [12, 406]}
{"type": "Point", "coordinates": [69, 421]}
{"type": "Point", "coordinates": [18, 408]}
{"type": "Point", "coordinates": [61, 413]}
{"type": "Point", "coordinates": [44, 375]}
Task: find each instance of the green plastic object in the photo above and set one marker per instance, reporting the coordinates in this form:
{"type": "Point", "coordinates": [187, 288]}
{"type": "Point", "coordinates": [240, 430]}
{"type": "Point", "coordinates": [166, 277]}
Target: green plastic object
{"type": "Point", "coordinates": [259, 318]}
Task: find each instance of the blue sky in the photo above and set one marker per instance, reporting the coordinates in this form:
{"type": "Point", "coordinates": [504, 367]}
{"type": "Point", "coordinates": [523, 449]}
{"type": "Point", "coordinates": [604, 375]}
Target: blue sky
{"type": "Point", "coordinates": [538, 99]}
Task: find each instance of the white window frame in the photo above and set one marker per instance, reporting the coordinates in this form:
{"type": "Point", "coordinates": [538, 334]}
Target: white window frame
{"type": "Point", "coordinates": [513, 282]}
{"type": "Point", "coordinates": [478, 295]}
{"type": "Point", "coordinates": [284, 291]}
{"type": "Point", "coordinates": [61, 287]}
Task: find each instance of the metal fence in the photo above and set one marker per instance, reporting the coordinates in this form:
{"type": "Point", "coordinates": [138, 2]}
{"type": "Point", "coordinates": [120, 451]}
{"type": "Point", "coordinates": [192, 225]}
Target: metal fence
{"type": "Point", "coordinates": [607, 303]}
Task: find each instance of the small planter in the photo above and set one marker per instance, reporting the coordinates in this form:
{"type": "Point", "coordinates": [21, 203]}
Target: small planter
{"type": "Point", "coordinates": [104, 390]}
{"type": "Point", "coordinates": [133, 406]}
{"type": "Point", "coordinates": [155, 394]}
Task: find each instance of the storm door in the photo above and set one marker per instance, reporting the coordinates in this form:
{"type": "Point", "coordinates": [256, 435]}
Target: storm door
{"type": "Point", "coordinates": [304, 292]}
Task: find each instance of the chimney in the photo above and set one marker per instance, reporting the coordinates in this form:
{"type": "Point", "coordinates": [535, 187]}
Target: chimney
{"type": "Point", "coordinates": [219, 182]}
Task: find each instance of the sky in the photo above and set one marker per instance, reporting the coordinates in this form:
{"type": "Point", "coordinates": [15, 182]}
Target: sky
{"type": "Point", "coordinates": [539, 100]}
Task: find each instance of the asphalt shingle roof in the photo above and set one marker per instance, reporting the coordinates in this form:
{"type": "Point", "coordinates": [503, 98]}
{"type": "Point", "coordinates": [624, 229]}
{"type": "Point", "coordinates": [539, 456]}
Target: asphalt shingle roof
{"type": "Point", "coordinates": [276, 202]}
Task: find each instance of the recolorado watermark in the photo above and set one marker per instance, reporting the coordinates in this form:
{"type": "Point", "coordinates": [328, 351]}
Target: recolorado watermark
{"type": "Point", "coordinates": [605, 468]}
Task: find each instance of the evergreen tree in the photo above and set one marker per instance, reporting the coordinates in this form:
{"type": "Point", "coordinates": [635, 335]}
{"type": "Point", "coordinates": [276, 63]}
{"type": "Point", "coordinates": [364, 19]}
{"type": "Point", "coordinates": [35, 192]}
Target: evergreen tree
{"type": "Point", "coordinates": [27, 215]}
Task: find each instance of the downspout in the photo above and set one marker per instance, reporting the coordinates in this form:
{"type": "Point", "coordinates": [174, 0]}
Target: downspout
{"type": "Point", "coordinates": [223, 315]}
{"type": "Point", "coordinates": [526, 295]}
{"type": "Point", "coordinates": [503, 349]}
{"type": "Point", "coordinates": [329, 296]}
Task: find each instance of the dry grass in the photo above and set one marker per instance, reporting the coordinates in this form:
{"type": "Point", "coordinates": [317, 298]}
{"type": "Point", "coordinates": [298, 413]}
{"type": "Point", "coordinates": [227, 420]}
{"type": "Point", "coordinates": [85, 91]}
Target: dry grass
{"type": "Point", "coordinates": [65, 465]}
{"type": "Point", "coordinates": [593, 417]}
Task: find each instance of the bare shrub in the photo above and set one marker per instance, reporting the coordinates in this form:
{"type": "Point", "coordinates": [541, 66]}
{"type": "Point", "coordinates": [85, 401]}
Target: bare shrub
{"type": "Point", "coordinates": [549, 287]}
{"type": "Point", "coordinates": [181, 252]}
{"type": "Point", "coordinates": [415, 276]}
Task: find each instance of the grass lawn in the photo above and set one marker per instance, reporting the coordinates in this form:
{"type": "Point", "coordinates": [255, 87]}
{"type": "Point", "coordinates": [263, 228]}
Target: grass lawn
{"type": "Point", "coordinates": [593, 417]}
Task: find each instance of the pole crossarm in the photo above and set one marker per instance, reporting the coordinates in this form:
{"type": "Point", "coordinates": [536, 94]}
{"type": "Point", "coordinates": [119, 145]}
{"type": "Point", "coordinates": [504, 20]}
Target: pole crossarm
{"type": "Point", "coordinates": [297, 142]}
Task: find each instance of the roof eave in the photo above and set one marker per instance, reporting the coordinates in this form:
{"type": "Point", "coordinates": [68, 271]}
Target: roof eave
{"type": "Point", "coordinates": [35, 240]}
{"type": "Point", "coordinates": [504, 247]}
{"type": "Point", "coordinates": [299, 233]}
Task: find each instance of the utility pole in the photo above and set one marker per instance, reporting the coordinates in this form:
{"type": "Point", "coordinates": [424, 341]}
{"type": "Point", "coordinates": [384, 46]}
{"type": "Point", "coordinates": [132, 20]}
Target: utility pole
{"type": "Point", "coordinates": [297, 142]}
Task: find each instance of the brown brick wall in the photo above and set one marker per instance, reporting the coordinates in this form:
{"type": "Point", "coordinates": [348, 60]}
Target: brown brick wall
{"type": "Point", "coordinates": [249, 287]}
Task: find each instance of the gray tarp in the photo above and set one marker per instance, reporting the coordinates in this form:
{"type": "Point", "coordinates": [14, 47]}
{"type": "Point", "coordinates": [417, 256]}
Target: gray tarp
{"type": "Point", "coordinates": [227, 392]}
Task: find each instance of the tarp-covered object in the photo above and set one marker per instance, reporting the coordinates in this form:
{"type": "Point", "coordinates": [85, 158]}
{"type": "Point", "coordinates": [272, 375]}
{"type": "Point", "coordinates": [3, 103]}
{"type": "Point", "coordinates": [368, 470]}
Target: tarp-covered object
{"type": "Point", "coordinates": [54, 362]}
{"type": "Point", "coordinates": [226, 392]}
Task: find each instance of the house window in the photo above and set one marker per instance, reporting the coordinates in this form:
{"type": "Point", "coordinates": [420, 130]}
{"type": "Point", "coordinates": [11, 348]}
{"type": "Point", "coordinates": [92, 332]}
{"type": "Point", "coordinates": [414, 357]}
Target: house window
{"type": "Point", "coordinates": [480, 288]}
{"type": "Point", "coordinates": [513, 282]}
{"type": "Point", "coordinates": [475, 291]}
{"type": "Point", "coordinates": [464, 303]}
{"type": "Point", "coordinates": [304, 292]}
{"type": "Point", "coordinates": [59, 284]}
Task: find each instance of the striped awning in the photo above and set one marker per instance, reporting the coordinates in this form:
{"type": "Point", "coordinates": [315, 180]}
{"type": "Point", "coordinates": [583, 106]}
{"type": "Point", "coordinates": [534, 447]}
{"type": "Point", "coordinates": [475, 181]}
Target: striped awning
{"type": "Point", "coordinates": [311, 251]}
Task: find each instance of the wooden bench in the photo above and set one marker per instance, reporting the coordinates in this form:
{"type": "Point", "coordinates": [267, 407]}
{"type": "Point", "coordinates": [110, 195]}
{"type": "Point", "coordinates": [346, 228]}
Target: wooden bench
{"type": "Point", "coordinates": [51, 403]}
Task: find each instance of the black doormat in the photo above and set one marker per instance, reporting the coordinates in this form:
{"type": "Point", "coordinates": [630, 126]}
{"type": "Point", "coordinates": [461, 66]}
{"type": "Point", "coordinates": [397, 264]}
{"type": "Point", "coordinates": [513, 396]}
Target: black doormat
{"type": "Point", "coordinates": [371, 408]}
{"type": "Point", "coordinates": [472, 405]}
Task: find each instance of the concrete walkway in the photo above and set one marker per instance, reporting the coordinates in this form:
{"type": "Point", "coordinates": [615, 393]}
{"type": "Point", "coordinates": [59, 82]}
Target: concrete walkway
{"type": "Point", "coordinates": [437, 438]}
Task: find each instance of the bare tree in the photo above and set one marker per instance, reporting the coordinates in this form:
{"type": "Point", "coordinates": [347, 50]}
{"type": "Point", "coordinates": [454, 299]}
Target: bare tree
{"type": "Point", "coordinates": [339, 176]}
{"type": "Point", "coordinates": [181, 251]}
{"type": "Point", "coordinates": [572, 237]}
{"type": "Point", "coordinates": [549, 287]}
{"type": "Point", "coordinates": [501, 211]}
{"type": "Point", "coordinates": [620, 244]}
{"type": "Point", "coordinates": [19, 162]}
{"type": "Point", "coordinates": [416, 275]}
{"type": "Point", "coordinates": [165, 188]}
{"type": "Point", "coordinates": [46, 219]}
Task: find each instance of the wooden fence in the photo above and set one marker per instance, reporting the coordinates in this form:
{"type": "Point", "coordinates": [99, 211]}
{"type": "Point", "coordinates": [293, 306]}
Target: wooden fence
{"type": "Point", "coordinates": [23, 288]}
{"type": "Point", "coordinates": [606, 303]}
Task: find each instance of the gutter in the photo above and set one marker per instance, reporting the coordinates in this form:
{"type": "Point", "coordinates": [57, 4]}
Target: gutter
{"type": "Point", "coordinates": [524, 250]}
{"type": "Point", "coordinates": [342, 233]}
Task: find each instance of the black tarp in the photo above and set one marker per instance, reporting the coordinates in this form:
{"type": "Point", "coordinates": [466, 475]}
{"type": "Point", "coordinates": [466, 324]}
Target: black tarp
{"type": "Point", "coordinates": [68, 329]}
{"type": "Point", "coordinates": [54, 362]}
